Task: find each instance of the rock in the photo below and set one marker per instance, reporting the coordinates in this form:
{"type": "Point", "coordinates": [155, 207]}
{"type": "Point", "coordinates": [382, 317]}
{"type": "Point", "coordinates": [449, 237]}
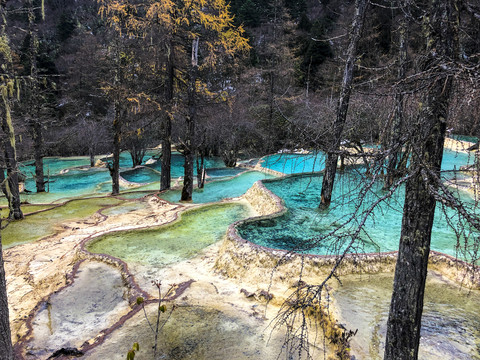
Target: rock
{"type": "Point", "coordinates": [100, 163]}
{"type": "Point", "coordinates": [66, 351]}
{"type": "Point", "coordinates": [247, 293]}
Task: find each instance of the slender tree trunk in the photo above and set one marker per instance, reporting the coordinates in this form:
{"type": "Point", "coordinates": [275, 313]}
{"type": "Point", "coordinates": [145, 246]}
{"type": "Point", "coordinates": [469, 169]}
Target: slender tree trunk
{"type": "Point", "coordinates": [38, 147]}
{"type": "Point", "coordinates": [115, 166]}
{"type": "Point", "coordinates": [137, 154]}
{"type": "Point", "coordinates": [395, 146]}
{"type": "Point", "coordinates": [6, 350]}
{"type": "Point", "coordinates": [166, 176]}
{"type": "Point", "coordinates": [201, 169]}
{"type": "Point", "coordinates": [35, 101]}
{"type": "Point", "coordinates": [404, 321]}
{"type": "Point", "coordinates": [342, 106]}
{"type": "Point", "coordinates": [190, 148]}
{"type": "Point", "coordinates": [11, 185]}
{"type": "Point", "coordinates": [91, 152]}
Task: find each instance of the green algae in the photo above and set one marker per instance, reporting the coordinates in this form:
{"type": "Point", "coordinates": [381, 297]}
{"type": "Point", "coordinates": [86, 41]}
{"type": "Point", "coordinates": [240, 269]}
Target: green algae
{"type": "Point", "coordinates": [26, 209]}
{"type": "Point", "coordinates": [193, 333]}
{"type": "Point", "coordinates": [450, 320]}
{"type": "Point", "coordinates": [124, 208]}
{"type": "Point", "coordinates": [37, 226]}
{"type": "Point", "coordinates": [220, 189]}
{"type": "Point", "coordinates": [136, 194]}
{"type": "Point", "coordinates": [182, 239]}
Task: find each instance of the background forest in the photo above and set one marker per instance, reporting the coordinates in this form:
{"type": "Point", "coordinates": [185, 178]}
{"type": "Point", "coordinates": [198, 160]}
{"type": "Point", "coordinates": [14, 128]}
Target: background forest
{"type": "Point", "coordinates": [248, 79]}
{"type": "Point", "coordinates": [280, 94]}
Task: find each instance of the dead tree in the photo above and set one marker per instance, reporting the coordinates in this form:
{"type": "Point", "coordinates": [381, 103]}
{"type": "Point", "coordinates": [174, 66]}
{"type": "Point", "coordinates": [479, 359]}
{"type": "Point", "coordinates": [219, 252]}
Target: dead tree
{"type": "Point", "coordinates": [404, 321]}
{"type": "Point", "coordinates": [342, 106]}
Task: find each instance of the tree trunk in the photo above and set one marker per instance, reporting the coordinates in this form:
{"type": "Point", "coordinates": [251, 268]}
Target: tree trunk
{"type": "Point", "coordinates": [6, 350]}
{"type": "Point", "coordinates": [114, 168]}
{"type": "Point", "coordinates": [91, 152]}
{"type": "Point", "coordinates": [189, 152]}
{"type": "Point", "coordinates": [137, 155]}
{"type": "Point", "coordinates": [404, 321]}
{"type": "Point", "coordinates": [342, 106]}
{"type": "Point", "coordinates": [201, 169]}
{"type": "Point", "coordinates": [11, 185]}
{"type": "Point", "coordinates": [38, 147]}
{"type": "Point", "coordinates": [394, 144]}
{"type": "Point", "coordinates": [166, 177]}
{"type": "Point", "coordinates": [229, 157]}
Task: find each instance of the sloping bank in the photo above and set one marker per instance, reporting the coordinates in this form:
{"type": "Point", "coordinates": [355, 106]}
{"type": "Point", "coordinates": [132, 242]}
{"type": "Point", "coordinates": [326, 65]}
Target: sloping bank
{"type": "Point", "coordinates": [239, 258]}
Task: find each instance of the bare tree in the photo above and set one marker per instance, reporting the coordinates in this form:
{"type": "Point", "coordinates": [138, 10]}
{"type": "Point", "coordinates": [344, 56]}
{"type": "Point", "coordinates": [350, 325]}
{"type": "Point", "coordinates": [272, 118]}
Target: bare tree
{"type": "Point", "coordinates": [342, 106]}
{"type": "Point", "coordinates": [404, 321]}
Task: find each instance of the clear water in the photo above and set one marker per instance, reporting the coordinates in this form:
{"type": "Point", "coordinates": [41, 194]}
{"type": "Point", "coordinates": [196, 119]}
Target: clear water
{"type": "Point", "coordinates": [218, 190]}
{"type": "Point", "coordinates": [26, 209]}
{"type": "Point", "coordinates": [72, 177]}
{"type": "Point", "coordinates": [305, 228]}
{"type": "Point", "coordinates": [450, 322]}
{"type": "Point", "coordinates": [472, 139]}
{"type": "Point", "coordinates": [78, 312]}
{"type": "Point", "coordinates": [39, 225]}
{"type": "Point", "coordinates": [224, 172]}
{"type": "Point", "coordinates": [141, 175]}
{"type": "Point", "coordinates": [295, 163]}
{"type": "Point", "coordinates": [124, 208]}
{"type": "Point", "coordinates": [193, 333]}
{"type": "Point", "coordinates": [139, 194]}
{"type": "Point", "coordinates": [182, 239]}
{"type": "Point", "coordinates": [147, 174]}
{"type": "Point", "coordinates": [178, 161]}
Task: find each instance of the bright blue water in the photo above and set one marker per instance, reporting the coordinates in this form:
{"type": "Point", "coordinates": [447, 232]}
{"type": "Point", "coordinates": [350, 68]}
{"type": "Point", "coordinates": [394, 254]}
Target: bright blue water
{"type": "Point", "coordinates": [72, 177]}
{"type": "Point", "coordinates": [141, 175]}
{"type": "Point", "coordinates": [295, 163]}
{"type": "Point", "coordinates": [178, 162]}
{"type": "Point", "coordinates": [224, 172]}
{"type": "Point", "coordinates": [218, 190]}
{"type": "Point", "coordinates": [305, 228]}
{"type": "Point", "coordinates": [472, 139]}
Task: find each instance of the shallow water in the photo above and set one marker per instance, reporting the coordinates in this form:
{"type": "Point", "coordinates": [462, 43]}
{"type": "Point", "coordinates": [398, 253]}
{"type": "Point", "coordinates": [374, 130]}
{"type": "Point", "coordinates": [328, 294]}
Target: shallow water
{"type": "Point", "coordinates": [224, 172]}
{"type": "Point", "coordinates": [124, 208]}
{"type": "Point", "coordinates": [218, 190]}
{"type": "Point", "coordinates": [304, 225]}
{"type": "Point", "coordinates": [295, 163]}
{"type": "Point", "coordinates": [450, 322]}
{"type": "Point", "coordinates": [141, 175]}
{"type": "Point", "coordinates": [178, 161]}
{"type": "Point", "coordinates": [78, 312]}
{"type": "Point", "coordinates": [193, 333]}
{"type": "Point", "coordinates": [182, 239]}
{"type": "Point", "coordinates": [298, 163]}
{"type": "Point", "coordinates": [301, 227]}
{"type": "Point", "coordinates": [37, 226]}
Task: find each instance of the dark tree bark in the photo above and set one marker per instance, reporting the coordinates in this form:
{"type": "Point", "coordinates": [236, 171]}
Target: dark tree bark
{"type": "Point", "coordinates": [36, 127]}
{"type": "Point", "coordinates": [38, 147]}
{"type": "Point", "coordinates": [201, 169]}
{"type": "Point", "coordinates": [91, 153]}
{"type": "Point", "coordinates": [189, 151]}
{"type": "Point", "coordinates": [166, 177]}
{"type": "Point", "coordinates": [137, 153]}
{"type": "Point", "coordinates": [11, 185]}
{"type": "Point", "coordinates": [394, 143]}
{"type": "Point", "coordinates": [342, 106]}
{"type": "Point", "coordinates": [229, 157]}
{"type": "Point", "coordinates": [404, 321]}
{"type": "Point", "coordinates": [6, 350]}
{"type": "Point", "coordinates": [114, 167]}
